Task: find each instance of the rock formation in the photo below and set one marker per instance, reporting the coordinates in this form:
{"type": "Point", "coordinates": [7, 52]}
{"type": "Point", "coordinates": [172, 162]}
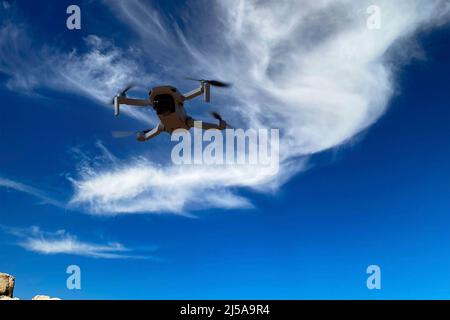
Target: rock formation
{"type": "Point", "coordinates": [7, 289]}
{"type": "Point", "coordinates": [6, 285]}
{"type": "Point", "coordinates": [40, 297]}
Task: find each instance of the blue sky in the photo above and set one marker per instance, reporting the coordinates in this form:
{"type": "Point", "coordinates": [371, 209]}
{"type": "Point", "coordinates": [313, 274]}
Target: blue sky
{"type": "Point", "coordinates": [364, 174]}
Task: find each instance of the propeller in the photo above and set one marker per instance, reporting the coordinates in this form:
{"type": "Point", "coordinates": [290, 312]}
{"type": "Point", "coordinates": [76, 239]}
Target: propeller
{"type": "Point", "coordinates": [123, 134]}
{"type": "Point", "coordinates": [123, 92]}
{"type": "Point", "coordinates": [214, 83]}
{"type": "Point", "coordinates": [217, 116]}
{"type": "Point", "coordinates": [127, 88]}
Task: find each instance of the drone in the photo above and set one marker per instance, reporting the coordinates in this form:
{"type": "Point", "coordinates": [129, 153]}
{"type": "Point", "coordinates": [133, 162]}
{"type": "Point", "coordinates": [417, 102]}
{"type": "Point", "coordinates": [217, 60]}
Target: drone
{"type": "Point", "coordinates": [168, 103]}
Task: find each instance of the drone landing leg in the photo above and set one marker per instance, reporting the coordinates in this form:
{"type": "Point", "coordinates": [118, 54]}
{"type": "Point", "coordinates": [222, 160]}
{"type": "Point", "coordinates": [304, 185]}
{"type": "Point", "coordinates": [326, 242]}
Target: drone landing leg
{"type": "Point", "coordinates": [147, 135]}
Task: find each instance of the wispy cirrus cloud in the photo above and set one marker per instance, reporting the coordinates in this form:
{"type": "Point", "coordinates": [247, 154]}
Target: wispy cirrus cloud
{"type": "Point", "coordinates": [311, 68]}
{"type": "Point", "coordinates": [34, 192]}
{"type": "Point", "coordinates": [97, 72]}
{"type": "Point", "coordinates": [61, 242]}
{"type": "Point", "coordinates": [138, 185]}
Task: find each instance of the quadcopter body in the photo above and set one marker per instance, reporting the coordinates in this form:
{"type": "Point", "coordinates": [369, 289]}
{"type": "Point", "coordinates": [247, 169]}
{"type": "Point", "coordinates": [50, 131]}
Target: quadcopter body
{"type": "Point", "coordinates": [168, 102]}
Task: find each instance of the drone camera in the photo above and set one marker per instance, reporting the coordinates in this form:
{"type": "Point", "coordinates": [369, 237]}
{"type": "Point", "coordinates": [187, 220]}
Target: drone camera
{"type": "Point", "coordinates": [164, 103]}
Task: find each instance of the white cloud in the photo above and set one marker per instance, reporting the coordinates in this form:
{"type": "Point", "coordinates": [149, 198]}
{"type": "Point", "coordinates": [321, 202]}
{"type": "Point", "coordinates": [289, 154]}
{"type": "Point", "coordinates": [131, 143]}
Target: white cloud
{"type": "Point", "coordinates": [61, 242]}
{"type": "Point", "coordinates": [138, 185]}
{"type": "Point", "coordinates": [97, 74]}
{"type": "Point", "coordinates": [15, 60]}
{"type": "Point", "coordinates": [17, 186]}
{"type": "Point", "coordinates": [310, 68]}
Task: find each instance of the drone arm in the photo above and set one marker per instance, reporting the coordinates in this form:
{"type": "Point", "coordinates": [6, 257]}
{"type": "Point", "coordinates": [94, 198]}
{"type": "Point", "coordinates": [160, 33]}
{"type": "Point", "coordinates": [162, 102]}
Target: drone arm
{"type": "Point", "coordinates": [194, 93]}
{"type": "Point", "coordinates": [204, 89]}
{"type": "Point", "coordinates": [209, 126]}
{"type": "Point", "coordinates": [130, 102]}
{"type": "Point", "coordinates": [206, 125]}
